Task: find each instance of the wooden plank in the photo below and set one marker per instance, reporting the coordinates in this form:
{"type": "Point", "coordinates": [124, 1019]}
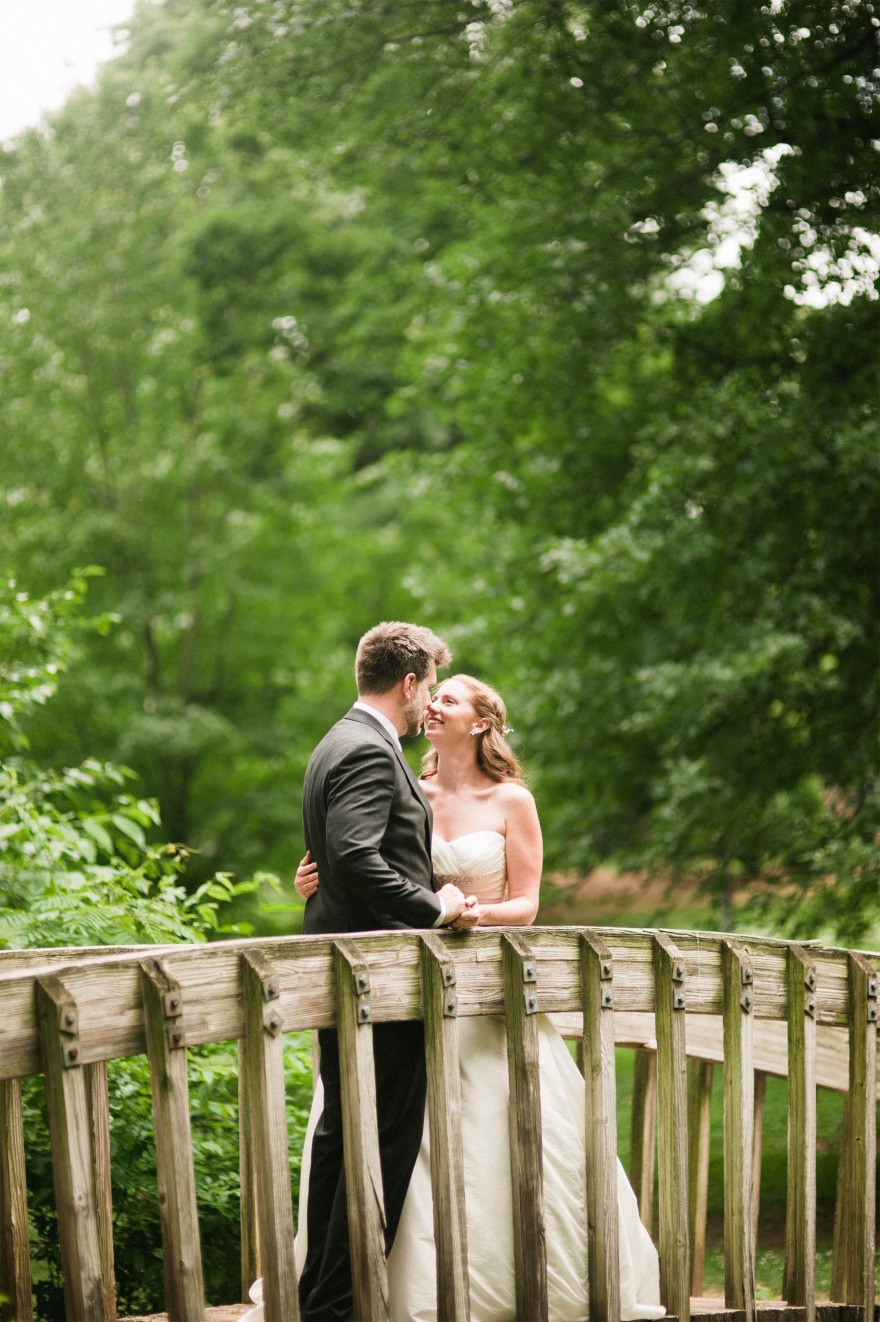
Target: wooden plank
{"type": "Point", "coordinates": [250, 1238]}
{"type": "Point", "coordinates": [529, 1236]}
{"type": "Point", "coordinates": [166, 1047]}
{"type": "Point", "coordinates": [699, 1113]}
{"type": "Point", "coordinates": [600, 1130]}
{"type": "Point", "coordinates": [705, 1041]}
{"type": "Point", "coordinates": [670, 1003]}
{"type": "Point", "coordinates": [859, 1162]}
{"type": "Point", "coordinates": [643, 1130]}
{"type": "Point", "coordinates": [70, 1127]}
{"type": "Point", "coordinates": [739, 1117]}
{"type": "Point", "coordinates": [444, 1117]}
{"type": "Point", "coordinates": [757, 1142]}
{"type": "Point", "coordinates": [266, 1133]}
{"type": "Point", "coordinates": [108, 989]}
{"type": "Point", "coordinates": [99, 1115]}
{"type": "Point", "coordinates": [799, 1280]}
{"type": "Point", "coordinates": [363, 1174]}
{"type": "Point", "coordinates": [15, 1264]}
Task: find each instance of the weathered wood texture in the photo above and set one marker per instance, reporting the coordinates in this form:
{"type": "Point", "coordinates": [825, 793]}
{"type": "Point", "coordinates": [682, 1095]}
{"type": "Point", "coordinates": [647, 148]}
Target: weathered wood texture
{"type": "Point", "coordinates": [855, 1237]}
{"type": "Point", "coordinates": [526, 1169]}
{"type": "Point", "coordinates": [705, 1041]}
{"type": "Point", "coordinates": [265, 1134]}
{"type": "Point", "coordinates": [88, 1293]}
{"type": "Point", "coordinates": [600, 1130]}
{"type": "Point", "coordinates": [166, 1047]}
{"type": "Point", "coordinates": [444, 1117]}
{"type": "Point", "coordinates": [739, 1109]}
{"type": "Point", "coordinates": [108, 993]}
{"type": "Point", "coordinates": [363, 1175]}
{"type": "Point", "coordinates": [672, 1150]}
{"type": "Point", "coordinates": [699, 1114]}
{"type": "Point", "coordinates": [643, 1131]}
{"type": "Point", "coordinates": [799, 1284]}
{"type": "Point", "coordinates": [64, 1014]}
{"type": "Point", "coordinates": [15, 1266]}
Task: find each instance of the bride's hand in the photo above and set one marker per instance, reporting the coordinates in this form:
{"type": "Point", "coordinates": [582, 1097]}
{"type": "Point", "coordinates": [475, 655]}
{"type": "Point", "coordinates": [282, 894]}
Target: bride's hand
{"type": "Point", "coordinates": [469, 916]}
{"type": "Point", "coordinates": [307, 879]}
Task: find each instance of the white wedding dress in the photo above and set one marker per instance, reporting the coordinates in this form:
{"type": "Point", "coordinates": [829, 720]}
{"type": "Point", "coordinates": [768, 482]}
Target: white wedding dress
{"type": "Point", "coordinates": [476, 862]}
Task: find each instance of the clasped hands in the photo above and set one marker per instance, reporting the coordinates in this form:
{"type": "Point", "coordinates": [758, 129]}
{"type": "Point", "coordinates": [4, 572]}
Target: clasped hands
{"type": "Point", "coordinates": [462, 911]}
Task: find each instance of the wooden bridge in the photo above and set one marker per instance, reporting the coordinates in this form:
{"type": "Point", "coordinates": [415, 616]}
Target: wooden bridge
{"type": "Point", "coordinates": [751, 1005]}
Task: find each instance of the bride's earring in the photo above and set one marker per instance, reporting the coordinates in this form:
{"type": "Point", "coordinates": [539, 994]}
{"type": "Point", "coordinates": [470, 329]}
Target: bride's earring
{"type": "Point", "coordinates": [476, 731]}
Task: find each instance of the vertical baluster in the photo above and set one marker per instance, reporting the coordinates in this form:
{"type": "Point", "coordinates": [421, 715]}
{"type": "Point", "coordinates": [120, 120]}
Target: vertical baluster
{"type": "Point", "coordinates": [99, 1114]}
{"type": "Point", "coordinates": [669, 1009]}
{"type": "Point", "coordinates": [363, 1173]}
{"type": "Point", "coordinates": [83, 1258]}
{"type": "Point", "coordinates": [15, 1263]}
{"type": "Point", "coordinates": [247, 1139]}
{"type": "Point", "coordinates": [166, 1047]}
{"type": "Point", "coordinates": [757, 1142]}
{"type": "Point", "coordinates": [700, 1074]}
{"type": "Point", "coordinates": [857, 1206]}
{"type": "Point", "coordinates": [529, 1236]}
{"type": "Point", "coordinates": [266, 1124]}
{"type": "Point", "coordinates": [600, 1130]}
{"type": "Point", "coordinates": [444, 1114]}
{"type": "Point", "coordinates": [799, 1284]}
{"type": "Point", "coordinates": [739, 1117]}
{"type": "Point", "coordinates": [643, 1130]}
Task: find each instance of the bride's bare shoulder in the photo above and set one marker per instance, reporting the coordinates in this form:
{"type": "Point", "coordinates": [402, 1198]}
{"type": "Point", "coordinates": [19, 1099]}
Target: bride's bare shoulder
{"type": "Point", "coordinates": [514, 795]}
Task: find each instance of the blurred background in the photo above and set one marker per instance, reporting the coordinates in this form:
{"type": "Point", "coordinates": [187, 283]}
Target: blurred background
{"type": "Point", "coordinates": [549, 324]}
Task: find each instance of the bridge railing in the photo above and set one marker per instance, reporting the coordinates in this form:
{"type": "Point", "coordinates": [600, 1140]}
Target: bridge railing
{"type": "Point", "coordinates": [752, 1005]}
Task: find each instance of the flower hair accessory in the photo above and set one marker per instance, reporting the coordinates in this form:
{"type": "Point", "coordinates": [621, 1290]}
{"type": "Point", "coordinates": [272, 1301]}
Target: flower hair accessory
{"type": "Point", "coordinates": [507, 729]}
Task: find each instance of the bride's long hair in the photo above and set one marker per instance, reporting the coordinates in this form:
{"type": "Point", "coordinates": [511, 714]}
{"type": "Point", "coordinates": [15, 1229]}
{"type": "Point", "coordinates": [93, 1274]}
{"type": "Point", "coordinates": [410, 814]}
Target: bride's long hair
{"type": "Point", "coordinates": [495, 757]}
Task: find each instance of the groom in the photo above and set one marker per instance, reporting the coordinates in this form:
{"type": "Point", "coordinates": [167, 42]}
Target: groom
{"type": "Point", "coordinates": [368, 827]}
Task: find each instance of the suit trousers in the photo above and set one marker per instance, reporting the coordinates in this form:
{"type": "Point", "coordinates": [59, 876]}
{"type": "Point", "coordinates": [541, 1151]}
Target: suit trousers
{"type": "Point", "coordinates": [401, 1086]}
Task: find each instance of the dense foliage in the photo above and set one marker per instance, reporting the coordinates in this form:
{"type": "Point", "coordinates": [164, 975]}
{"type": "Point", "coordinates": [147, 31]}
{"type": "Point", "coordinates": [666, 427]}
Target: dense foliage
{"type": "Point", "coordinates": [77, 868]}
{"type": "Point", "coordinates": [545, 322]}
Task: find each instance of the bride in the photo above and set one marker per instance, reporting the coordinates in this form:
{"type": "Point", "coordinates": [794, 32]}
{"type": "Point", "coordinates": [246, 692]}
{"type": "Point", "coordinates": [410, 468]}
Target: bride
{"type": "Point", "coordinates": [487, 840]}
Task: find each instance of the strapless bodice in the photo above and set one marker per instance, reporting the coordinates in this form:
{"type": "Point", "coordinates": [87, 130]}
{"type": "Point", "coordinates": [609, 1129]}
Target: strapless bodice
{"type": "Point", "coordinates": [476, 862]}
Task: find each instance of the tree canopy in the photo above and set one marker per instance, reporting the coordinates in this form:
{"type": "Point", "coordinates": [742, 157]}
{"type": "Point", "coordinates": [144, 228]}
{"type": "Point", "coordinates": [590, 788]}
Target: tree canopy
{"type": "Point", "coordinates": [547, 323]}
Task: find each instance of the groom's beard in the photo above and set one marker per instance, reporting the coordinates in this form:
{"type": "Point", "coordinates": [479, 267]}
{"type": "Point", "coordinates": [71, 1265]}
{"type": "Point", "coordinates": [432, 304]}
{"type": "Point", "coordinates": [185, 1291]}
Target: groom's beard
{"type": "Point", "coordinates": [413, 715]}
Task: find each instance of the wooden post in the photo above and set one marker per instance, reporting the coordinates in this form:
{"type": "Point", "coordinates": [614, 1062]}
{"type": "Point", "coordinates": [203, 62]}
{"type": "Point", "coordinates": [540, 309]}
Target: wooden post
{"type": "Point", "coordinates": [860, 1155]}
{"type": "Point", "coordinates": [758, 1131]}
{"type": "Point", "coordinates": [669, 1009]}
{"type": "Point", "coordinates": [527, 1179]}
{"type": "Point", "coordinates": [600, 1130]}
{"type": "Point", "coordinates": [739, 1118]}
{"type": "Point", "coordinates": [799, 1281]}
{"type": "Point", "coordinates": [363, 1173]}
{"type": "Point", "coordinates": [699, 1113]}
{"type": "Point", "coordinates": [444, 1114]}
{"type": "Point", "coordinates": [15, 1263]}
{"type": "Point", "coordinates": [269, 1164]}
{"type": "Point", "coordinates": [88, 1294]}
{"type": "Point", "coordinates": [643, 1147]}
{"type": "Point", "coordinates": [166, 1047]}
{"type": "Point", "coordinates": [247, 1140]}
{"type": "Point", "coordinates": [99, 1114]}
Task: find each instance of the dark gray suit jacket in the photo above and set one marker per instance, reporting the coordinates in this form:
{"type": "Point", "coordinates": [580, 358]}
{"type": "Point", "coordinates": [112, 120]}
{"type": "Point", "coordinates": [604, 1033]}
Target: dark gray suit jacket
{"type": "Point", "coordinates": [368, 826]}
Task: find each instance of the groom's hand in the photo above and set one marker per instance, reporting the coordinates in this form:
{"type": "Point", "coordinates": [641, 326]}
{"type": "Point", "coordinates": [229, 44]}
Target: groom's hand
{"type": "Point", "coordinates": [470, 914]}
{"type": "Point", "coordinates": [453, 901]}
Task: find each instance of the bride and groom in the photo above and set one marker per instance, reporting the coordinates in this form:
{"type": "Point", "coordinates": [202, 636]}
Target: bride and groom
{"type": "Point", "coordinates": [378, 842]}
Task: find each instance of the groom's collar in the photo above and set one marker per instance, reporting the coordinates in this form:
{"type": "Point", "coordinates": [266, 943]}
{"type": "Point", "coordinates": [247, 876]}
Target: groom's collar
{"type": "Point", "coordinates": [380, 717]}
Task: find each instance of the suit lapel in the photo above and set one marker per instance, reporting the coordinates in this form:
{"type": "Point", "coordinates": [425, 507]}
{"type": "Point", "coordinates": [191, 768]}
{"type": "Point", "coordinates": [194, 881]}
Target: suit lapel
{"type": "Point", "coordinates": [355, 714]}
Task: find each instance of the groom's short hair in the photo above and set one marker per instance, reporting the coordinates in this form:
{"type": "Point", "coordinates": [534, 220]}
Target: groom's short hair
{"type": "Point", "coordinates": [391, 650]}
